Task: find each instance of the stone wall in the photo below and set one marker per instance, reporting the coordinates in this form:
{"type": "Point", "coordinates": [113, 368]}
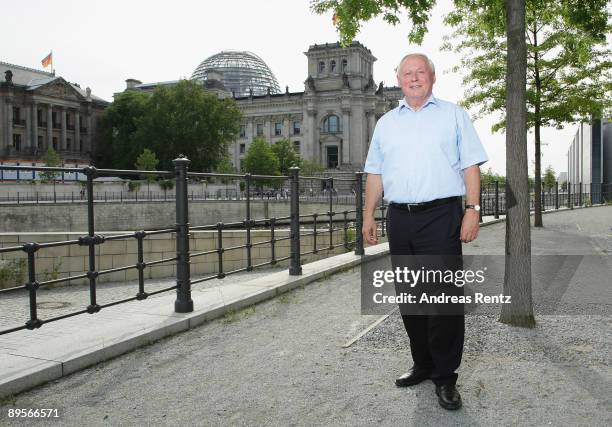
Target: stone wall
{"type": "Point", "coordinates": [68, 217]}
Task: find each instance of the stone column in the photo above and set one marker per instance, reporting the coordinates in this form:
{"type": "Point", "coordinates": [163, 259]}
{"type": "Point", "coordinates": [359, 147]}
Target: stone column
{"type": "Point", "coordinates": [312, 143]}
{"type": "Point", "coordinates": [9, 123]}
{"type": "Point", "coordinates": [35, 127]}
{"type": "Point", "coordinates": [27, 141]}
{"type": "Point", "coordinates": [287, 128]}
{"type": "Point", "coordinates": [89, 143]}
{"type": "Point", "coordinates": [346, 131]}
{"type": "Point", "coordinates": [49, 126]}
{"type": "Point", "coordinates": [77, 130]}
{"type": "Point", "coordinates": [63, 134]}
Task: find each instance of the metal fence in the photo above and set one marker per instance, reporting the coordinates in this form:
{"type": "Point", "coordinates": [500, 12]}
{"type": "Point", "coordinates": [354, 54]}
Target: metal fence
{"type": "Point", "coordinates": [493, 197]}
{"type": "Point", "coordinates": [42, 197]}
{"type": "Point", "coordinates": [324, 225]}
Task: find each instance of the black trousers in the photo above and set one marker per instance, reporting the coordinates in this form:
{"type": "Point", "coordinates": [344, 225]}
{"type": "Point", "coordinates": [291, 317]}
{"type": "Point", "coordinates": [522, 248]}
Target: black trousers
{"type": "Point", "coordinates": [436, 340]}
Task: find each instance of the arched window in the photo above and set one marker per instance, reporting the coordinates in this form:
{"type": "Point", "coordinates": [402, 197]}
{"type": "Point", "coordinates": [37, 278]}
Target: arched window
{"type": "Point", "coordinates": [321, 67]}
{"type": "Point", "coordinates": [344, 65]}
{"type": "Point", "coordinates": [332, 66]}
{"type": "Point", "coordinates": [331, 124]}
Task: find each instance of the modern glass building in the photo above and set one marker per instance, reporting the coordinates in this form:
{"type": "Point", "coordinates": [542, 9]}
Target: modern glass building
{"type": "Point", "coordinates": [241, 72]}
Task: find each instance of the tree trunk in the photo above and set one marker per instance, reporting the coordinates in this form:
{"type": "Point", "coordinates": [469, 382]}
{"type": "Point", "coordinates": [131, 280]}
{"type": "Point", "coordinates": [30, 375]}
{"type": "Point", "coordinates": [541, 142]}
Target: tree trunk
{"type": "Point", "coordinates": [537, 184]}
{"type": "Point", "coordinates": [517, 274]}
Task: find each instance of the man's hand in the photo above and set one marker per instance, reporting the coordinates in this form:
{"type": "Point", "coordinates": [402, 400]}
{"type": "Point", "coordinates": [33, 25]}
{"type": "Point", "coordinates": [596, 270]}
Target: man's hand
{"type": "Point", "coordinates": [469, 226]}
{"type": "Point", "coordinates": [369, 230]}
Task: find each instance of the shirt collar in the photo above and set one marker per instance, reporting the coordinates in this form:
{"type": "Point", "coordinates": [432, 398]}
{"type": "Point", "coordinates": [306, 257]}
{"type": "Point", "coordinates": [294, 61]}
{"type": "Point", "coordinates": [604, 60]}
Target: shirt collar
{"type": "Point", "coordinates": [404, 105]}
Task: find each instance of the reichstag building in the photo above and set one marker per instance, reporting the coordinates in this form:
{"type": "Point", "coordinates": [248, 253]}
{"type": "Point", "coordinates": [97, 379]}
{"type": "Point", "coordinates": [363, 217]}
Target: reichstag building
{"type": "Point", "coordinates": [331, 121]}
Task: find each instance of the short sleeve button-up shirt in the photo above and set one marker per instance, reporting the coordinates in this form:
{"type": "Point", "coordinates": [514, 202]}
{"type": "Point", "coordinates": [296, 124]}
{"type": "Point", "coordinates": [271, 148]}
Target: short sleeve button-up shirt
{"type": "Point", "coordinates": [421, 154]}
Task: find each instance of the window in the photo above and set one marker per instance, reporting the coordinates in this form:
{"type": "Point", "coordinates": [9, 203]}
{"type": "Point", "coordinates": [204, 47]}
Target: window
{"type": "Point", "coordinates": [296, 128]}
{"type": "Point", "coordinates": [331, 124]}
{"type": "Point", "coordinates": [321, 67]}
{"type": "Point", "coordinates": [259, 129]}
{"type": "Point", "coordinates": [242, 131]}
{"type": "Point", "coordinates": [55, 143]}
{"type": "Point", "coordinates": [278, 129]}
{"type": "Point", "coordinates": [344, 65]}
{"type": "Point", "coordinates": [17, 142]}
{"type": "Point", "coordinates": [39, 117]}
{"type": "Point", "coordinates": [242, 148]}
{"type": "Point", "coordinates": [332, 156]}
{"type": "Point", "coordinates": [68, 143]}
{"type": "Point", "coordinates": [54, 120]}
{"type": "Point", "coordinates": [332, 66]}
{"type": "Point", "coordinates": [16, 114]}
{"type": "Point", "coordinates": [81, 145]}
{"type": "Point", "coordinates": [296, 146]}
{"type": "Point", "coordinates": [40, 142]}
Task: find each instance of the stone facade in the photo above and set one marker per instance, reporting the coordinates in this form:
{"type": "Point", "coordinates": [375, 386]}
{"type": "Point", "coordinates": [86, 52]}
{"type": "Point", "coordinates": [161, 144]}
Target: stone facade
{"type": "Point", "coordinates": [331, 122]}
{"type": "Point", "coordinates": [38, 110]}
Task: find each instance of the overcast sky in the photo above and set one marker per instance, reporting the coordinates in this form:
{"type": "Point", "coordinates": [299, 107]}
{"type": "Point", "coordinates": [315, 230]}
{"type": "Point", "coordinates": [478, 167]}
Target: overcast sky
{"type": "Point", "coordinates": [101, 43]}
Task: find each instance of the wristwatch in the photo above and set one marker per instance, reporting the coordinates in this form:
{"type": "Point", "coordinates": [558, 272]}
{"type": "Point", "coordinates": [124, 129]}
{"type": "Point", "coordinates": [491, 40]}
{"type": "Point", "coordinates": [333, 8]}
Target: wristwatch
{"type": "Point", "coordinates": [475, 207]}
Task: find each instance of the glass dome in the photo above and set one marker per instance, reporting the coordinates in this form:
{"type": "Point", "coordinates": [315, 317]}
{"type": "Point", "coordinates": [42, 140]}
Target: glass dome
{"type": "Point", "coordinates": [240, 72]}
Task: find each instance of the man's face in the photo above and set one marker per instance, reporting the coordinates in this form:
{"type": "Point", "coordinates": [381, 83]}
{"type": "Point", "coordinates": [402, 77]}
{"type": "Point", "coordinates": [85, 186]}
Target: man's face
{"type": "Point", "coordinates": [416, 79]}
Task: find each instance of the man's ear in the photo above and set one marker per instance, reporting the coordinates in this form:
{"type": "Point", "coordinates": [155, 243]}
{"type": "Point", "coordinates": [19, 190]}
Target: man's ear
{"type": "Point", "coordinates": [434, 78]}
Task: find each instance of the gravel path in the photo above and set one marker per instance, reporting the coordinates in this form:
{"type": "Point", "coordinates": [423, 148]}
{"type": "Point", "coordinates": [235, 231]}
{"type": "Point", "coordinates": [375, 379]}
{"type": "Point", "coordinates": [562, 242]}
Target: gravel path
{"type": "Point", "coordinates": [282, 362]}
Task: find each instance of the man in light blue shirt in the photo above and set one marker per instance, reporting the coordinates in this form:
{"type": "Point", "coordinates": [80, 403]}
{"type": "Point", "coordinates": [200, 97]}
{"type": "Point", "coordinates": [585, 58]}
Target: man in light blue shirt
{"type": "Point", "coordinates": [426, 154]}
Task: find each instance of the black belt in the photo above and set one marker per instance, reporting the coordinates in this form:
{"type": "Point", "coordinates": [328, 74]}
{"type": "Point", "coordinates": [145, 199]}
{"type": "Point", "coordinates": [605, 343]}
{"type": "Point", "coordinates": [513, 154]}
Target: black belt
{"type": "Point", "coordinates": [418, 207]}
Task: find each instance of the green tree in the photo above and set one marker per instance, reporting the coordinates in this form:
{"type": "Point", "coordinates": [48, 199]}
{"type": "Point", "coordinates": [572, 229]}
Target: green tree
{"type": "Point", "coordinates": [549, 178]}
{"type": "Point", "coordinates": [178, 119]}
{"type": "Point", "coordinates": [119, 123]}
{"type": "Point", "coordinates": [568, 64]}
{"type": "Point", "coordinates": [225, 166]}
{"type": "Point", "coordinates": [260, 160]}
{"type": "Point", "coordinates": [147, 161]}
{"type": "Point", "coordinates": [310, 168]}
{"type": "Point", "coordinates": [51, 159]}
{"type": "Point", "coordinates": [489, 177]}
{"type": "Point", "coordinates": [286, 155]}
{"type": "Point", "coordinates": [185, 119]}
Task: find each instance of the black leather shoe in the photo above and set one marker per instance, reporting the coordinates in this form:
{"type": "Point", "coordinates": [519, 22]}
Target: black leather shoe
{"type": "Point", "coordinates": [413, 377]}
{"type": "Point", "coordinates": [448, 397]}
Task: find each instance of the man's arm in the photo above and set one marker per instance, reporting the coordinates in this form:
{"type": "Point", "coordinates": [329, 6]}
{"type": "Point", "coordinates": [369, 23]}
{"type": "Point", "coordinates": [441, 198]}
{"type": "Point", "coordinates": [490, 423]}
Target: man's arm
{"type": "Point", "coordinates": [373, 191]}
{"type": "Point", "coordinates": [470, 223]}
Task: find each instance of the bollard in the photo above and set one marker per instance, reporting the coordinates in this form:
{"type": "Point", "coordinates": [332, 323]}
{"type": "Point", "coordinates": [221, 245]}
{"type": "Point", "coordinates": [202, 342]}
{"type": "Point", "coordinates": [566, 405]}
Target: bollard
{"type": "Point", "coordinates": [358, 213]}
{"type": "Point", "coordinates": [183, 303]}
{"type": "Point", "coordinates": [295, 269]}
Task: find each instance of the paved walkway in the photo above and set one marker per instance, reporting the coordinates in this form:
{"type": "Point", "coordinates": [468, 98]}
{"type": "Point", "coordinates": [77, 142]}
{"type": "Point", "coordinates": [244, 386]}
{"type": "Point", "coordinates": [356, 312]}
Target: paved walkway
{"type": "Point", "coordinates": [283, 362]}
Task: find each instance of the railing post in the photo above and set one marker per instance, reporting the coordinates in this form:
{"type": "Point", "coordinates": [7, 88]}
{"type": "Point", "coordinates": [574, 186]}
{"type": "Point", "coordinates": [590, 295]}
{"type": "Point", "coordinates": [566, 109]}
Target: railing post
{"type": "Point", "coordinates": [580, 194]}
{"type": "Point", "coordinates": [247, 221]}
{"type": "Point", "coordinates": [358, 213]}
{"type": "Point", "coordinates": [90, 241]}
{"type": "Point", "coordinates": [32, 285]}
{"type": "Point", "coordinates": [556, 194]}
{"type": "Point", "coordinates": [496, 212]}
{"type": "Point", "coordinates": [295, 269]}
{"type": "Point", "coordinates": [183, 303]}
{"type": "Point", "coordinates": [480, 203]}
{"type": "Point", "coordinates": [570, 205]}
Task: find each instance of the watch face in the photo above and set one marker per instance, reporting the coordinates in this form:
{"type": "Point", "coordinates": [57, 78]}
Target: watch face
{"type": "Point", "coordinates": [477, 208]}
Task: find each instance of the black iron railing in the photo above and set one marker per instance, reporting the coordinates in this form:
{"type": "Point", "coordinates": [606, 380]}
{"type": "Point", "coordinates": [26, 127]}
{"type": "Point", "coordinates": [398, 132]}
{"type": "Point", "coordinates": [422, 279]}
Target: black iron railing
{"type": "Point", "coordinates": [332, 222]}
{"type": "Point", "coordinates": [493, 197]}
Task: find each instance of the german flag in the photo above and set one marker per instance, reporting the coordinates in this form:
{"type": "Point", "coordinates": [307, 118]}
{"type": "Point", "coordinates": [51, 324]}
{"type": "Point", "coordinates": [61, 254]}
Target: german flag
{"type": "Point", "coordinates": [48, 60]}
